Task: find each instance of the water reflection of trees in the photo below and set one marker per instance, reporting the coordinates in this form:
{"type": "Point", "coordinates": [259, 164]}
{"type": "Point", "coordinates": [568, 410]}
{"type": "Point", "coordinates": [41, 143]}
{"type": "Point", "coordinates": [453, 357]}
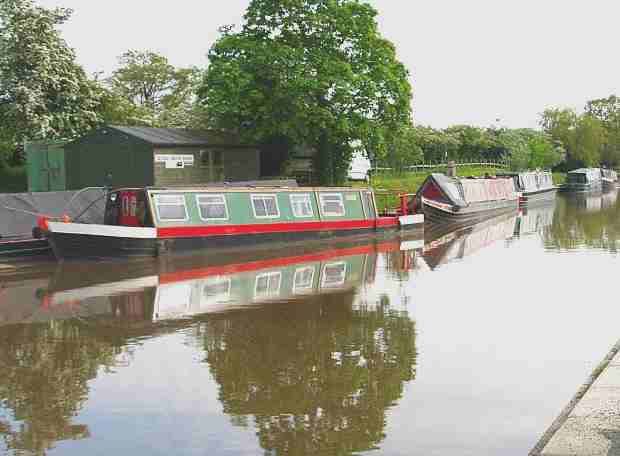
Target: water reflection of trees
{"type": "Point", "coordinates": [45, 370]}
{"type": "Point", "coordinates": [316, 375]}
{"type": "Point", "coordinates": [590, 220]}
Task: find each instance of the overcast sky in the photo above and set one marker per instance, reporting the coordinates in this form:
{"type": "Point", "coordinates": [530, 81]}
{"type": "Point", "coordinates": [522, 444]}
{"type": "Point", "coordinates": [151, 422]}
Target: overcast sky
{"type": "Point", "coordinates": [471, 62]}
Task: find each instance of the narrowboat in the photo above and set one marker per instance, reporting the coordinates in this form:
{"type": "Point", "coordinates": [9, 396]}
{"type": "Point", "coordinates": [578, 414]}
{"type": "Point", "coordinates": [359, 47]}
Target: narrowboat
{"type": "Point", "coordinates": [445, 199]}
{"type": "Point", "coordinates": [583, 180]}
{"type": "Point", "coordinates": [20, 238]}
{"type": "Point", "coordinates": [24, 246]}
{"type": "Point", "coordinates": [155, 221]}
{"type": "Point", "coordinates": [533, 186]}
{"type": "Point", "coordinates": [609, 178]}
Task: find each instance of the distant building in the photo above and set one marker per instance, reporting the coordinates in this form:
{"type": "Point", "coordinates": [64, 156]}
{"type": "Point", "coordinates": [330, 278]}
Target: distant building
{"type": "Point", "coordinates": [141, 156]}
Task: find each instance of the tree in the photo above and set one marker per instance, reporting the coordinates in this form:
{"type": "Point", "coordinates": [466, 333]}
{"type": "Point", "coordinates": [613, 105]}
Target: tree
{"type": "Point", "coordinates": [403, 148]}
{"type": "Point", "coordinates": [517, 150]}
{"type": "Point", "coordinates": [583, 136]}
{"type": "Point", "coordinates": [544, 153]}
{"type": "Point", "coordinates": [44, 93]}
{"type": "Point", "coordinates": [314, 71]}
{"type": "Point", "coordinates": [437, 145]}
{"type": "Point", "coordinates": [153, 92]}
{"type": "Point", "coordinates": [474, 142]}
{"type": "Point", "coordinates": [607, 111]}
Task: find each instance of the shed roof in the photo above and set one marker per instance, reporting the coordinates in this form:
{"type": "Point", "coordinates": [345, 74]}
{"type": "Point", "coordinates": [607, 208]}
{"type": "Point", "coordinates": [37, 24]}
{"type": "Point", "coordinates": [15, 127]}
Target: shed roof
{"type": "Point", "coordinates": [178, 136]}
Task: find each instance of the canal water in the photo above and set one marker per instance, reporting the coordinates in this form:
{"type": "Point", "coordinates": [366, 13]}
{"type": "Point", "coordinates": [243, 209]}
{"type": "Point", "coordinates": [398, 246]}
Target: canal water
{"type": "Point", "coordinates": [469, 343]}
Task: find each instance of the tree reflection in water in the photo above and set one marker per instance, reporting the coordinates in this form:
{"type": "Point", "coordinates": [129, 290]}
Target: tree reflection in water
{"type": "Point", "coordinates": [317, 375]}
{"type": "Point", "coordinates": [585, 219]}
{"type": "Point", "coordinates": [45, 370]}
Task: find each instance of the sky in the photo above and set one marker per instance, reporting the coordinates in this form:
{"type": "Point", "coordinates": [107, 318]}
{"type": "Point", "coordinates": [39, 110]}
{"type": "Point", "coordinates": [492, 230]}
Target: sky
{"type": "Point", "coordinates": [477, 62]}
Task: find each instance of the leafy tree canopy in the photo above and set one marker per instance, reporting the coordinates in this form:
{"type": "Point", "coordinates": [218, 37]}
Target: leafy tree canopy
{"type": "Point", "coordinates": [315, 71]}
{"type": "Point", "coordinates": [584, 136]}
{"type": "Point", "coordinates": [607, 111]}
{"type": "Point", "coordinates": [44, 93]}
{"type": "Point", "coordinates": [147, 90]}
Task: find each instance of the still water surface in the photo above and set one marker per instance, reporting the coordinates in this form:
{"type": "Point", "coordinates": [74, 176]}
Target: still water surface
{"type": "Point", "coordinates": [469, 344]}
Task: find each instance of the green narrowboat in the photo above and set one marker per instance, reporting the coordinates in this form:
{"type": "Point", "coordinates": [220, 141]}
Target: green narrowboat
{"type": "Point", "coordinates": [154, 221]}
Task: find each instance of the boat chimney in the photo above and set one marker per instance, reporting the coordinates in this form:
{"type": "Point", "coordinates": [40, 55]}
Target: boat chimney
{"type": "Point", "coordinates": [451, 169]}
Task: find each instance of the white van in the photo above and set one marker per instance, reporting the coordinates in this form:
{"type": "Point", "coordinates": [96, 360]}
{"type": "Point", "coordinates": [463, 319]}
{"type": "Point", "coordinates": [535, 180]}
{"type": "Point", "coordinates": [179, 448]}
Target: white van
{"type": "Point", "coordinates": [359, 168]}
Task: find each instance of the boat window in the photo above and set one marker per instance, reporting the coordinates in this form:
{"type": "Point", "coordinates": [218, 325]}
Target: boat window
{"type": "Point", "coordinates": [216, 290]}
{"type": "Point", "coordinates": [267, 284]}
{"type": "Point", "coordinates": [212, 207]}
{"type": "Point", "coordinates": [577, 178]}
{"type": "Point", "coordinates": [302, 207]}
{"type": "Point", "coordinates": [303, 280]}
{"type": "Point", "coordinates": [334, 275]}
{"type": "Point", "coordinates": [331, 204]}
{"type": "Point", "coordinates": [265, 206]}
{"type": "Point", "coordinates": [171, 207]}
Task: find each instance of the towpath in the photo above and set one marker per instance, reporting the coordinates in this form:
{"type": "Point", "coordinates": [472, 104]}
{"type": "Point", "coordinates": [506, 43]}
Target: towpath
{"type": "Point", "coordinates": [590, 423]}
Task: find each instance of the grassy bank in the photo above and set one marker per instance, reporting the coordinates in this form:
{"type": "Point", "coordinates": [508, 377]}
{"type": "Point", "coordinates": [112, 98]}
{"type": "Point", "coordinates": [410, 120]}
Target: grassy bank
{"type": "Point", "coordinates": [13, 179]}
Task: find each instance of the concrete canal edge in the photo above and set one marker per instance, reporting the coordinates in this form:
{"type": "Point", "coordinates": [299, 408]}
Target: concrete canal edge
{"type": "Point", "coordinates": [570, 407]}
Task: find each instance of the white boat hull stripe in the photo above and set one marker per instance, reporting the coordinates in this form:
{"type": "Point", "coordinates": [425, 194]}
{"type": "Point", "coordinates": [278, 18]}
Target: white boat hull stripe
{"type": "Point", "coordinates": [103, 230]}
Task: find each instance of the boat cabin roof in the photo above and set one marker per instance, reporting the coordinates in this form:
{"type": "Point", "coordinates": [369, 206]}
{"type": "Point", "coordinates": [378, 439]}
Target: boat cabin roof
{"type": "Point", "coordinates": [584, 171]}
{"type": "Point", "coordinates": [246, 189]}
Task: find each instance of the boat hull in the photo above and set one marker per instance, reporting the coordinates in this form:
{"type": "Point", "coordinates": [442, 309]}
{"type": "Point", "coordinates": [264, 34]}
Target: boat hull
{"type": "Point", "coordinates": [24, 248]}
{"type": "Point", "coordinates": [67, 245]}
{"type": "Point", "coordinates": [609, 184]}
{"type": "Point", "coordinates": [538, 196]}
{"type": "Point", "coordinates": [474, 213]}
{"type": "Point", "coordinates": [577, 188]}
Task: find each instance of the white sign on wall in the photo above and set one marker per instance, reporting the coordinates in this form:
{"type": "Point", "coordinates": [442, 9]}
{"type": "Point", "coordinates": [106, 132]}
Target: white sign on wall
{"type": "Point", "coordinates": [174, 161]}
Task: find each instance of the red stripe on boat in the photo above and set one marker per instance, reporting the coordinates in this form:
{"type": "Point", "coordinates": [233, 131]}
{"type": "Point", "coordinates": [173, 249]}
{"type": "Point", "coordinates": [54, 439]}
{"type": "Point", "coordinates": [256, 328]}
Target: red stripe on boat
{"type": "Point", "coordinates": [387, 221]}
{"type": "Point", "coordinates": [232, 230]}
{"type": "Point", "coordinates": [194, 274]}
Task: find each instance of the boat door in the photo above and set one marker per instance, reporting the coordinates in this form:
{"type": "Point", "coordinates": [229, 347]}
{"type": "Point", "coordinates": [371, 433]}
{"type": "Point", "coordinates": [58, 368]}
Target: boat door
{"type": "Point", "coordinates": [128, 208]}
{"type": "Point", "coordinates": [368, 202]}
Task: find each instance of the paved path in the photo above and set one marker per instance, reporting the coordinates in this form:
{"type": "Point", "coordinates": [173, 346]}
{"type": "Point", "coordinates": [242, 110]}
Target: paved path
{"type": "Point", "coordinates": [590, 423]}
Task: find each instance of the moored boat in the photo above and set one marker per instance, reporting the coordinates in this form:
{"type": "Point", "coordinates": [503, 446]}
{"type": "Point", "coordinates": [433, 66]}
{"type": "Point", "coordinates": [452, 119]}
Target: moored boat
{"type": "Point", "coordinates": [533, 186]}
{"type": "Point", "coordinates": [583, 180]}
{"type": "Point", "coordinates": [12, 247]}
{"type": "Point", "coordinates": [154, 221]}
{"type": "Point", "coordinates": [19, 212]}
{"type": "Point", "coordinates": [445, 199]}
{"type": "Point", "coordinates": [609, 178]}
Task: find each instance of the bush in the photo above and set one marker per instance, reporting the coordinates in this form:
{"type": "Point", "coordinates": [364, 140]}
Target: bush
{"type": "Point", "coordinates": [13, 179]}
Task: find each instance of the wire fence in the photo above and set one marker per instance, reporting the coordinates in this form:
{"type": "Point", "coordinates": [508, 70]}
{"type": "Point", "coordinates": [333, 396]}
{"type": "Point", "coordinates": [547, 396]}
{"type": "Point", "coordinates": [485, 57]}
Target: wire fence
{"type": "Point", "coordinates": [431, 165]}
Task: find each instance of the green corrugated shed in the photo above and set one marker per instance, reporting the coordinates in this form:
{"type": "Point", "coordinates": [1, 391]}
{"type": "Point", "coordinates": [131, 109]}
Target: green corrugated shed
{"type": "Point", "coordinates": [46, 166]}
{"type": "Point", "coordinates": [108, 150]}
{"type": "Point", "coordinates": [129, 155]}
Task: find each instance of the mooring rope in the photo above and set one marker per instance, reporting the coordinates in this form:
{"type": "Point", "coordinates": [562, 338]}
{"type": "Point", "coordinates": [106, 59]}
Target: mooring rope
{"type": "Point", "coordinates": [64, 210]}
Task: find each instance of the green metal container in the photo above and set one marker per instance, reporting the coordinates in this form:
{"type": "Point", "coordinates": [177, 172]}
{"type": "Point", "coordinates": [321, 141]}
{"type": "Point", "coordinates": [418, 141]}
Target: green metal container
{"type": "Point", "coordinates": [45, 165]}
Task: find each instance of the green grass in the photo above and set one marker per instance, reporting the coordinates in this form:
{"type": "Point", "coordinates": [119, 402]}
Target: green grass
{"type": "Point", "coordinates": [559, 178]}
{"type": "Point", "coordinates": [388, 185]}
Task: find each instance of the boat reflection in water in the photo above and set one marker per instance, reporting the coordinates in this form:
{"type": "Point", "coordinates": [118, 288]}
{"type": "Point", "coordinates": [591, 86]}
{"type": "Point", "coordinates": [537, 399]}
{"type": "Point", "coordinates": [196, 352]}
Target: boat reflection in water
{"type": "Point", "coordinates": [441, 248]}
{"type": "Point", "coordinates": [295, 350]}
{"type": "Point", "coordinates": [583, 220]}
{"type": "Point", "coordinates": [534, 219]}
